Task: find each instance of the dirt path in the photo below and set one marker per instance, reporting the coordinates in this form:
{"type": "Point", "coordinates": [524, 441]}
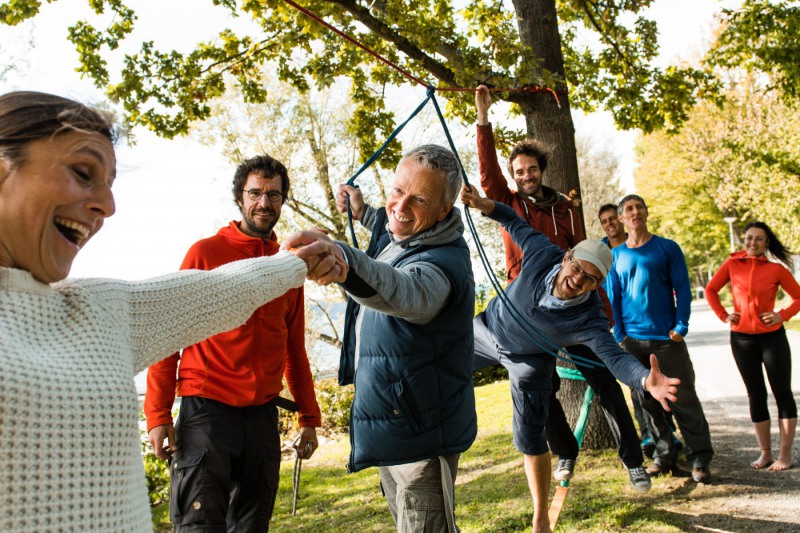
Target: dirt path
{"type": "Point", "coordinates": [740, 499]}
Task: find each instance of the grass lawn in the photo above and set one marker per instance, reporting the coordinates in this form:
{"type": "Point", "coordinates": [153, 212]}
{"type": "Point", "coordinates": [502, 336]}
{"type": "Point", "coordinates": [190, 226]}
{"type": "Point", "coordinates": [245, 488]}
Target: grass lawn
{"type": "Point", "coordinates": [491, 490]}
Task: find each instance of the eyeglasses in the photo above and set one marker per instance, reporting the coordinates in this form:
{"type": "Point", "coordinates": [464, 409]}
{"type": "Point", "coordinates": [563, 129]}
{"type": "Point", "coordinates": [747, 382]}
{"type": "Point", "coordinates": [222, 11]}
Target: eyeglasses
{"type": "Point", "coordinates": [273, 196]}
{"type": "Point", "coordinates": [582, 273]}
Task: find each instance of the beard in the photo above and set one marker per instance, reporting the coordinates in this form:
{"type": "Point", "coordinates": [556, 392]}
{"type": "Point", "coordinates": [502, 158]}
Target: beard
{"type": "Point", "coordinates": [259, 229]}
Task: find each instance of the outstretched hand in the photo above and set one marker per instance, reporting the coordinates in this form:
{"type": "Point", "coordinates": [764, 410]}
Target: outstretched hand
{"type": "Point", "coordinates": [472, 198]}
{"type": "Point", "coordinates": [325, 260]}
{"type": "Point", "coordinates": [661, 387]}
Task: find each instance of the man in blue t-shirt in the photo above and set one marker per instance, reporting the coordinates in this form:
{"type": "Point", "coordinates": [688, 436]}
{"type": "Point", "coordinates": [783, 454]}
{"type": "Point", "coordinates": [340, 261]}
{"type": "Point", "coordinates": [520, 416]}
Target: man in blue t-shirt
{"type": "Point", "coordinates": [650, 294]}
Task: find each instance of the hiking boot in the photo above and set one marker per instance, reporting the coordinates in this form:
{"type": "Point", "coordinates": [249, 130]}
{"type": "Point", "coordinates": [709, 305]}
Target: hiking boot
{"type": "Point", "coordinates": [701, 474]}
{"type": "Point", "coordinates": [565, 468]}
{"type": "Point", "coordinates": [660, 469]}
{"type": "Point", "coordinates": [639, 479]}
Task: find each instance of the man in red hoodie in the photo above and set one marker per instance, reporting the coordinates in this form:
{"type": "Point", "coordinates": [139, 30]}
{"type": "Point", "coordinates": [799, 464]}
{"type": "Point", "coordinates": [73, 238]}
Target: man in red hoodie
{"type": "Point", "coordinates": [224, 451]}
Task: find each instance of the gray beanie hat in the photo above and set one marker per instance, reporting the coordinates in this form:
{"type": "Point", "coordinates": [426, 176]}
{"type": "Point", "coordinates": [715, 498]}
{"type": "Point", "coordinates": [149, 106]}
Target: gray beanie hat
{"type": "Point", "coordinates": [596, 252]}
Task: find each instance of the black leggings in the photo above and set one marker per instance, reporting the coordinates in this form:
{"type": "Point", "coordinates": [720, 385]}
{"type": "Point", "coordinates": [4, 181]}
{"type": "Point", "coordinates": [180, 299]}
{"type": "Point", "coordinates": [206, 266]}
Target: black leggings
{"type": "Point", "coordinates": [772, 350]}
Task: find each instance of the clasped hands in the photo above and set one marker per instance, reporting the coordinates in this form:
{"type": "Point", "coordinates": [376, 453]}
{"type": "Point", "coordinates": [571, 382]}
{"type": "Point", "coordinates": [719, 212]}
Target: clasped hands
{"type": "Point", "coordinates": [324, 258]}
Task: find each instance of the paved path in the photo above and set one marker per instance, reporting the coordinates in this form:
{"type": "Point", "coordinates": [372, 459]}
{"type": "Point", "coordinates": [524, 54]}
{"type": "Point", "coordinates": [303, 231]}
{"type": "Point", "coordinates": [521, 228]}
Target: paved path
{"type": "Point", "coordinates": [709, 345]}
{"type": "Point", "coordinates": [740, 499]}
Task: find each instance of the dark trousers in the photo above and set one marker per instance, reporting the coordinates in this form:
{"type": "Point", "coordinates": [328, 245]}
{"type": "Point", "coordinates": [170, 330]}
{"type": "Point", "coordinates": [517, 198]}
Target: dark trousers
{"type": "Point", "coordinates": [673, 359]}
{"type": "Point", "coordinates": [772, 351]}
{"type": "Point", "coordinates": [224, 476]}
{"type": "Point", "coordinates": [560, 436]}
{"type": "Point", "coordinates": [530, 381]}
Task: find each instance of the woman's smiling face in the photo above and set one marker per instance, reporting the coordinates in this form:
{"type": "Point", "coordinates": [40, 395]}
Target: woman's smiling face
{"type": "Point", "coordinates": [755, 242]}
{"type": "Point", "coordinates": [54, 201]}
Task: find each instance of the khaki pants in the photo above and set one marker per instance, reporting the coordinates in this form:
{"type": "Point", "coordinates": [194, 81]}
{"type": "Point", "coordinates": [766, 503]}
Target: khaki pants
{"type": "Point", "coordinates": [416, 494]}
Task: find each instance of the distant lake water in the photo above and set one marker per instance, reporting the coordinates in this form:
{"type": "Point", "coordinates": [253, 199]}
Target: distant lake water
{"type": "Point", "coordinates": [324, 358]}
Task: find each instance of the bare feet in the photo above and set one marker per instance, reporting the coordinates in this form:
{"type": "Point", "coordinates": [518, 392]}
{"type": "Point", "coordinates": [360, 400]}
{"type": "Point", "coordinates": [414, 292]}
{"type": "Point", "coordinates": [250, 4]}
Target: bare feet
{"type": "Point", "coordinates": [781, 464]}
{"type": "Point", "coordinates": [763, 461]}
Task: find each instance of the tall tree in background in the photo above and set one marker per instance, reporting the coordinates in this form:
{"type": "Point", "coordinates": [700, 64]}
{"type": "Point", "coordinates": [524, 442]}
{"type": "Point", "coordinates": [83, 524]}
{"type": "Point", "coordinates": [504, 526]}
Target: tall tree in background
{"type": "Point", "coordinates": [742, 159]}
{"type": "Point", "coordinates": [599, 168]}
{"type": "Point", "coordinates": [738, 159]}
{"type": "Point", "coordinates": [762, 37]}
{"type": "Point", "coordinates": [534, 45]}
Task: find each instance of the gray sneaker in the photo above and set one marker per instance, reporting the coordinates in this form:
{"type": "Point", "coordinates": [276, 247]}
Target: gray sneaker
{"type": "Point", "coordinates": [639, 479]}
{"type": "Point", "coordinates": [565, 468]}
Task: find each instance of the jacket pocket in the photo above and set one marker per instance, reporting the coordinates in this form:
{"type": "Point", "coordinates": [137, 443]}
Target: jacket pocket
{"type": "Point", "coordinates": [407, 406]}
{"type": "Point", "coordinates": [187, 501]}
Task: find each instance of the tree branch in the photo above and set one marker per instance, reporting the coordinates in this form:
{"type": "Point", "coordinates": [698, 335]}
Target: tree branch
{"type": "Point", "coordinates": [604, 36]}
{"type": "Point", "coordinates": [380, 29]}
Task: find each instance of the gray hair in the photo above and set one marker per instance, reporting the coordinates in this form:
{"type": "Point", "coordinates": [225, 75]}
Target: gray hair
{"type": "Point", "coordinates": [435, 157]}
{"type": "Point", "coordinates": [627, 199]}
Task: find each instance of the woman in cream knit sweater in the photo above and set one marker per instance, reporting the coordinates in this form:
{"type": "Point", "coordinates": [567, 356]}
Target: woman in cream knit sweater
{"type": "Point", "coordinates": [69, 441]}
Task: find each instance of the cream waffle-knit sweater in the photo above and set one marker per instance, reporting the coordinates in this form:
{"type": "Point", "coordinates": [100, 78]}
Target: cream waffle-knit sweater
{"type": "Point", "coordinates": [70, 457]}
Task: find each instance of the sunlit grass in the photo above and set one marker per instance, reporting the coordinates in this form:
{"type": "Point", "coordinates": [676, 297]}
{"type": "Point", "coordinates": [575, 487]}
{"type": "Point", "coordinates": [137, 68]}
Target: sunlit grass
{"type": "Point", "coordinates": [491, 491]}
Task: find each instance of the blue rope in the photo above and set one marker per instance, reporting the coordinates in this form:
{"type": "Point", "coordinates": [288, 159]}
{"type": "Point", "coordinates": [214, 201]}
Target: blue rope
{"type": "Point", "coordinates": [376, 155]}
{"type": "Point", "coordinates": [536, 336]}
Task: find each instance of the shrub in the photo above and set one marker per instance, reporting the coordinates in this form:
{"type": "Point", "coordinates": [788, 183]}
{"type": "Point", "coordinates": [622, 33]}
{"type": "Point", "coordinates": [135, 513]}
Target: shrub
{"type": "Point", "coordinates": [334, 404]}
{"type": "Point", "coordinates": [156, 471]}
{"type": "Point", "coordinates": [488, 375]}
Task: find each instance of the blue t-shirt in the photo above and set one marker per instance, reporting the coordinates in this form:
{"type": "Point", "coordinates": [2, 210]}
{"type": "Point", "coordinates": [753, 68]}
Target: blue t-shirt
{"type": "Point", "coordinates": [649, 290]}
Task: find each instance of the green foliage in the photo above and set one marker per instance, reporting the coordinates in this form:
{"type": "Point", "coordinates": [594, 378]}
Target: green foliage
{"type": "Point", "coordinates": [433, 40]}
{"type": "Point", "coordinates": [739, 159]}
{"type": "Point", "coordinates": [156, 471]}
{"type": "Point", "coordinates": [622, 80]}
{"type": "Point", "coordinates": [334, 402]}
{"type": "Point", "coordinates": [762, 36]}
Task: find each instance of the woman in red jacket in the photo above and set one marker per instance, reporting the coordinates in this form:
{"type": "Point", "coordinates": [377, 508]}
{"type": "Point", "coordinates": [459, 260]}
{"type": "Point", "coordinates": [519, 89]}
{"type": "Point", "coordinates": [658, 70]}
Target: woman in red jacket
{"type": "Point", "coordinates": [758, 336]}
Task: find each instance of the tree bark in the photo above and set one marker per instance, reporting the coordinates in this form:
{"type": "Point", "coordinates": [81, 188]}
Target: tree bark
{"type": "Point", "coordinates": [598, 436]}
{"type": "Point", "coordinates": [544, 118]}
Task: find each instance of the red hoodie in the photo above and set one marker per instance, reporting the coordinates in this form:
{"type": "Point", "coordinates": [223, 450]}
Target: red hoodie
{"type": "Point", "coordinates": [754, 284]}
{"type": "Point", "coordinates": [244, 366]}
{"type": "Point", "coordinates": [561, 221]}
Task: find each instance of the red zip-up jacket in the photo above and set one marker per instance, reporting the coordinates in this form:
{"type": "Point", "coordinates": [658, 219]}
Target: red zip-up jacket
{"type": "Point", "coordinates": [244, 366]}
{"type": "Point", "coordinates": [754, 284]}
{"type": "Point", "coordinates": [560, 222]}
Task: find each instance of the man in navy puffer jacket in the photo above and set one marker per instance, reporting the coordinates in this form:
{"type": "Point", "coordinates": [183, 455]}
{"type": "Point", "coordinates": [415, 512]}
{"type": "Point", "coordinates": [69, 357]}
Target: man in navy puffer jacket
{"type": "Point", "coordinates": [407, 343]}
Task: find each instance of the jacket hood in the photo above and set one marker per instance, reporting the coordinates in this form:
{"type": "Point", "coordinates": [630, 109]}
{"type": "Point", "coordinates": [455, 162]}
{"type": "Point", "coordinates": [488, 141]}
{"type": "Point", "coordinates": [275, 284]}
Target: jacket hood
{"type": "Point", "coordinates": [442, 232]}
{"type": "Point", "coordinates": [742, 254]}
{"type": "Point", "coordinates": [233, 233]}
{"type": "Point", "coordinates": [550, 199]}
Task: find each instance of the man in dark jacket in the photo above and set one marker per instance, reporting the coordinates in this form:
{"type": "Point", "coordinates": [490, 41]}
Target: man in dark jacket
{"type": "Point", "coordinates": [555, 293]}
{"type": "Point", "coordinates": [408, 333]}
{"type": "Point", "coordinates": [552, 214]}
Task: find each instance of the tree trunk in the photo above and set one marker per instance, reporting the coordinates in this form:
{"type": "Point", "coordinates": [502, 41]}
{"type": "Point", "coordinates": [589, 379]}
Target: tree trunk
{"type": "Point", "coordinates": [598, 436]}
{"type": "Point", "coordinates": [551, 123]}
{"type": "Point", "coordinates": [544, 118]}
